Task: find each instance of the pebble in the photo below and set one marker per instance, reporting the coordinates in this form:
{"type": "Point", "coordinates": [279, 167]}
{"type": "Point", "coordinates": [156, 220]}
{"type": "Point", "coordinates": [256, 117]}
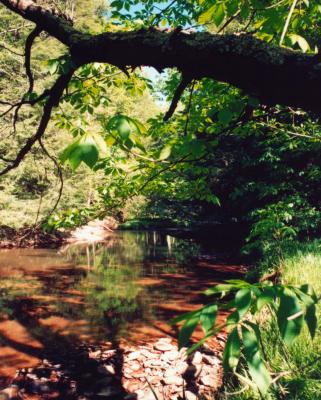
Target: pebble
{"type": "Point", "coordinates": [208, 380]}
{"type": "Point", "coordinates": [170, 355]}
{"type": "Point", "coordinates": [163, 346]}
{"type": "Point", "coordinates": [161, 363]}
{"type": "Point", "coordinates": [197, 359]}
{"type": "Point", "coordinates": [170, 372]}
{"type": "Point", "coordinates": [173, 380]}
{"type": "Point", "coordinates": [133, 356]}
{"type": "Point", "coordinates": [190, 395]}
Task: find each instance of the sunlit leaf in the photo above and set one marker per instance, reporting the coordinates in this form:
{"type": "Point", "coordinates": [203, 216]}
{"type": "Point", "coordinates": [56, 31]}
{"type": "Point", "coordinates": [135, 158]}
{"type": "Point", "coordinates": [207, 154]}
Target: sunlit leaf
{"type": "Point", "coordinates": [187, 330]}
{"type": "Point", "coordinates": [289, 325]}
{"type": "Point", "coordinates": [232, 351]}
{"type": "Point", "coordinates": [258, 371]}
{"type": "Point", "coordinates": [165, 152]}
{"type": "Point", "coordinates": [208, 317]}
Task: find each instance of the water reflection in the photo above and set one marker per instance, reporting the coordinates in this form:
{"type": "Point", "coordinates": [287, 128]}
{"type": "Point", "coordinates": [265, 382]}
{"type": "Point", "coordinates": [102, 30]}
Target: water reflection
{"type": "Point", "coordinates": [117, 287]}
{"type": "Point", "coordinates": [111, 285]}
{"type": "Point", "coordinates": [126, 288]}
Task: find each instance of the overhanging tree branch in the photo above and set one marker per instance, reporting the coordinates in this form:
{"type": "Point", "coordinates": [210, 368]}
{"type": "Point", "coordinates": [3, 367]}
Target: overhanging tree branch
{"type": "Point", "coordinates": [273, 74]}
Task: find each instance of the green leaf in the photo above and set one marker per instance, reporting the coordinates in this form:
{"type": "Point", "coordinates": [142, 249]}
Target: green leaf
{"type": "Point", "coordinates": [186, 331]}
{"type": "Point", "coordinates": [308, 289]}
{"type": "Point", "coordinates": [208, 317]}
{"type": "Point", "coordinates": [267, 296]}
{"type": "Point", "coordinates": [84, 149]}
{"type": "Point", "coordinates": [219, 15]}
{"type": "Point", "coordinates": [123, 128]}
{"type": "Point", "coordinates": [222, 288]}
{"type": "Point", "coordinates": [242, 303]}
{"type": "Point", "coordinates": [311, 319]}
{"type": "Point", "coordinates": [288, 308]}
{"type": "Point", "coordinates": [238, 283]}
{"type": "Point", "coordinates": [165, 152]}
{"type": "Point", "coordinates": [258, 371]}
{"type": "Point", "coordinates": [184, 316]}
{"type": "Point", "coordinates": [303, 44]}
{"type": "Point", "coordinates": [225, 117]}
{"type": "Point", "coordinates": [232, 351]}
{"type": "Point", "coordinates": [207, 15]}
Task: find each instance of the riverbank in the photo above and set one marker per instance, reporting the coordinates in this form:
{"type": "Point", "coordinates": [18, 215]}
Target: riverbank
{"type": "Point", "coordinates": [33, 237]}
{"type": "Point", "coordinates": [146, 372]}
{"type": "Point", "coordinates": [37, 237]}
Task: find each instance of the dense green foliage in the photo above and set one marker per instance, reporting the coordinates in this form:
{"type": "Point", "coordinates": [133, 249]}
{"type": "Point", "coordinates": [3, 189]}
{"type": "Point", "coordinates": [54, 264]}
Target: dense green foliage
{"type": "Point", "coordinates": [222, 157]}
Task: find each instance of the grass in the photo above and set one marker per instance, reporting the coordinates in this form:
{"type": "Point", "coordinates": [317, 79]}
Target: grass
{"type": "Point", "coordinates": [302, 361]}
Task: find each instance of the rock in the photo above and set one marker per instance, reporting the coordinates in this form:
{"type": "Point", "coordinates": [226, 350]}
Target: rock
{"type": "Point", "coordinates": [148, 394]}
{"type": "Point", "coordinates": [154, 380]}
{"type": "Point", "coordinates": [181, 367]}
{"type": "Point", "coordinates": [170, 372]}
{"type": "Point", "coordinates": [173, 380]}
{"type": "Point", "coordinates": [182, 353]}
{"type": "Point", "coordinates": [208, 380]}
{"type": "Point", "coordinates": [190, 395]}
{"type": "Point", "coordinates": [148, 354]}
{"type": "Point", "coordinates": [135, 367]}
{"type": "Point", "coordinates": [165, 339]}
{"type": "Point", "coordinates": [163, 346]}
{"type": "Point", "coordinates": [209, 360]}
{"type": "Point", "coordinates": [94, 354]}
{"type": "Point", "coordinates": [170, 355]}
{"type": "Point", "coordinates": [197, 359]}
{"type": "Point", "coordinates": [153, 363]}
{"type": "Point", "coordinates": [135, 355]}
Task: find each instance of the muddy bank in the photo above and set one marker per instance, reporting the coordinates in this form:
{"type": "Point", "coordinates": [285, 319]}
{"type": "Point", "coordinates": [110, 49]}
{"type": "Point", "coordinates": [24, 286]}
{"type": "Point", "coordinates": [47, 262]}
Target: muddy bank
{"type": "Point", "coordinates": [36, 237]}
{"type": "Point", "coordinates": [30, 237]}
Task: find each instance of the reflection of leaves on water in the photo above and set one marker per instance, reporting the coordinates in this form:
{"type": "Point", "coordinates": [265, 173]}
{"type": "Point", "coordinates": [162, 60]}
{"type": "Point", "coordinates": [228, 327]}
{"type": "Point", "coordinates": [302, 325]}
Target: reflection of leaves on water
{"type": "Point", "coordinates": [13, 287]}
{"type": "Point", "coordinates": [113, 297]}
{"type": "Point", "coordinates": [184, 251]}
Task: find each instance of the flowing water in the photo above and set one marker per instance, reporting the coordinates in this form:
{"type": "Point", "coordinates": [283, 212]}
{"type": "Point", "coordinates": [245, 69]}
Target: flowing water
{"type": "Point", "coordinates": [124, 290]}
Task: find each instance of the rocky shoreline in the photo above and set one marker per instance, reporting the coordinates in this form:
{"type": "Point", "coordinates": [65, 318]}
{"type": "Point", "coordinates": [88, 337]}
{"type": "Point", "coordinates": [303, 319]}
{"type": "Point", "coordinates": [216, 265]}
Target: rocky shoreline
{"type": "Point", "coordinates": [145, 372]}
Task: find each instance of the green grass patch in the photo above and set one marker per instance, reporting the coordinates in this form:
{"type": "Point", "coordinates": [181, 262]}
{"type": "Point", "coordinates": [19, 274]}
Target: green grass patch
{"type": "Point", "coordinates": [300, 363]}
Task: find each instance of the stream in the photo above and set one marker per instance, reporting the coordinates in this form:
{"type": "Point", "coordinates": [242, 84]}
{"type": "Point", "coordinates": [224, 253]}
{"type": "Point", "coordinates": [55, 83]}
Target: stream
{"type": "Point", "coordinates": [123, 291]}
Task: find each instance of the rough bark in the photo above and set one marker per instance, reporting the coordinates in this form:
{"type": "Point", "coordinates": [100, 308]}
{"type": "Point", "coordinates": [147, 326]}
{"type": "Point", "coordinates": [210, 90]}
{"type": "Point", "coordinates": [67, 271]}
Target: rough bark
{"type": "Point", "coordinates": [273, 74]}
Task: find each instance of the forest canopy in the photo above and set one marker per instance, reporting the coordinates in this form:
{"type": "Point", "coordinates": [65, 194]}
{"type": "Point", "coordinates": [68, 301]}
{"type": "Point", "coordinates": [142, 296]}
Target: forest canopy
{"type": "Point", "coordinates": [227, 127]}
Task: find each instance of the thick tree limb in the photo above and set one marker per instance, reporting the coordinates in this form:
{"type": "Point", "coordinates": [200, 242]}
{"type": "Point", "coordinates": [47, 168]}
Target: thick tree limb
{"type": "Point", "coordinates": [273, 74]}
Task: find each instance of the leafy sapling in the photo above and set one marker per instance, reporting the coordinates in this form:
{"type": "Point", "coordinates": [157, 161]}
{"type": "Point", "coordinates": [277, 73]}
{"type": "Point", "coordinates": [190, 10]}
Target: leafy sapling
{"type": "Point", "coordinates": [291, 306]}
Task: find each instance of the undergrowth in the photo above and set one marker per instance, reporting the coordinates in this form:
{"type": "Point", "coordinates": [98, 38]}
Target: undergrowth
{"type": "Point", "coordinates": [299, 264]}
